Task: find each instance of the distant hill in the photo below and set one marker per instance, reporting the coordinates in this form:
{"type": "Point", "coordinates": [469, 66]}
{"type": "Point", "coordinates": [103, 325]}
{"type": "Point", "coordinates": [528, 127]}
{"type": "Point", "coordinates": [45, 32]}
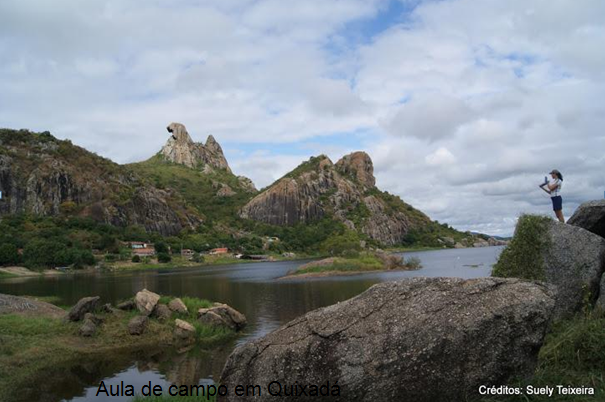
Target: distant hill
{"type": "Point", "coordinates": [188, 191]}
{"type": "Point", "coordinates": [42, 175]}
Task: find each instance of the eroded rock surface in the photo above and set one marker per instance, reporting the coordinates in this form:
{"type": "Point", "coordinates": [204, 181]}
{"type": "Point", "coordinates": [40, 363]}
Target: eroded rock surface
{"type": "Point", "coordinates": [83, 306]}
{"type": "Point", "coordinates": [29, 307]}
{"type": "Point", "coordinates": [345, 190]}
{"type": "Point", "coordinates": [590, 216]}
{"type": "Point", "coordinates": [146, 301]}
{"type": "Point", "coordinates": [422, 339]}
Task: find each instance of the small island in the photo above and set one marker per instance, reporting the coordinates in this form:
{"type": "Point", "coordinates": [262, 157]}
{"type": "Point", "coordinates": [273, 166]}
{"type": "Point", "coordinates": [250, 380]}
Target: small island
{"type": "Point", "coordinates": [355, 263]}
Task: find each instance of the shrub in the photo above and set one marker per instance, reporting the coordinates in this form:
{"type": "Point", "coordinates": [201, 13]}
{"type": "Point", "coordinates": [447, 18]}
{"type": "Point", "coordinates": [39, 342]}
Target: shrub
{"type": "Point", "coordinates": [111, 257]}
{"type": "Point", "coordinates": [413, 263]}
{"type": "Point", "coordinates": [164, 257]}
{"type": "Point", "coordinates": [198, 258]}
{"type": "Point", "coordinates": [9, 254]}
{"type": "Point", "coordinates": [523, 257]}
{"type": "Point", "coordinates": [136, 258]}
{"type": "Point", "coordinates": [41, 253]}
{"type": "Point", "coordinates": [161, 247]}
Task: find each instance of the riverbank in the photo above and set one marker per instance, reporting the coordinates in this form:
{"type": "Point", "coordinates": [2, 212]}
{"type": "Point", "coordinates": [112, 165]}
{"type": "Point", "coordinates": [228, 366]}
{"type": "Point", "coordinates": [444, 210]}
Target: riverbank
{"type": "Point", "coordinates": [32, 344]}
{"type": "Point", "coordinates": [15, 272]}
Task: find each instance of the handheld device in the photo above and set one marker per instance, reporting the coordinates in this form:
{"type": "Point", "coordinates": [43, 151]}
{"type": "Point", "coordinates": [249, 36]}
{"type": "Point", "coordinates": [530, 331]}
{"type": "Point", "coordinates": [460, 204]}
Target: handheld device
{"type": "Point", "coordinates": [545, 181]}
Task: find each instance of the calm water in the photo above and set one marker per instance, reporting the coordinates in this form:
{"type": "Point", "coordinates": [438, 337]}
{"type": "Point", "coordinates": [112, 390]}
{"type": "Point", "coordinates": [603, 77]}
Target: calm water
{"type": "Point", "coordinates": [250, 288]}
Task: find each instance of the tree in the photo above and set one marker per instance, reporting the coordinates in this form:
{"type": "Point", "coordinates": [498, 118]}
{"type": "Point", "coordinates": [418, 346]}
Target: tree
{"type": "Point", "coordinates": [8, 254]}
{"type": "Point", "coordinates": [136, 258]}
{"type": "Point", "coordinates": [164, 257]}
{"type": "Point", "coordinates": [41, 253]}
{"type": "Point", "coordinates": [161, 247]}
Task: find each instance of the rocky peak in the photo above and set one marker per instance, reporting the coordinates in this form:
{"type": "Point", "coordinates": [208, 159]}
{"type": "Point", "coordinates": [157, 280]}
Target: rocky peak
{"type": "Point", "coordinates": [181, 149]}
{"type": "Point", "coordinates": [359, 165]}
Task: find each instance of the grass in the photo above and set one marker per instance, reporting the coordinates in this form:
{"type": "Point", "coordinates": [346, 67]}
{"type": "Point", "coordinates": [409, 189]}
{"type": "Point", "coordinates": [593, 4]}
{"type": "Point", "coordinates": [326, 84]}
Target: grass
{"type": "Point", "coordinates": [6, 275]}
{"type": "Point", "coordinates": [29, 346]}
{"type": "Point", "coordinates": [523, 257]}
{"type": "Point", "coordinates": [573, 354]}
{"type": "Point", "coordinates": [363, 263]}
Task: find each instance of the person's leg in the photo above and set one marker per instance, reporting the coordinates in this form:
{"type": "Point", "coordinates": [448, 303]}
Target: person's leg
{"type": "Point", "coordinates": [559, 215]}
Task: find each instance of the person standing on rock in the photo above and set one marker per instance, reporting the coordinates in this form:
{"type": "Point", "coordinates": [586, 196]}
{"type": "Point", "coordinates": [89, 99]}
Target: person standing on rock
{"type": "Point", "coordinates": [554, 189]}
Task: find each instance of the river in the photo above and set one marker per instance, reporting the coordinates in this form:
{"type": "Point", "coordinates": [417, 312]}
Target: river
{"type": "Point", "coordinates": [250, 288]}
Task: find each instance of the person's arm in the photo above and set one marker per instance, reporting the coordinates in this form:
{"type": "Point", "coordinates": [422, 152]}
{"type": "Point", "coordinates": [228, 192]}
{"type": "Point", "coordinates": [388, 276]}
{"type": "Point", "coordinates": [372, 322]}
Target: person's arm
{"type": "Point", "coordinates": [553, 186]}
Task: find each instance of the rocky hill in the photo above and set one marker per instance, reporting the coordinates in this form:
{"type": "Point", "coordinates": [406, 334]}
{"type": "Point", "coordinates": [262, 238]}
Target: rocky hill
{"type": "Point", "coordinates": [189, 185]}
{"type": "Point", "coordinates": [346, 191]}
{"type": "Point", "coordinates": [42, 175]}
{"type": "Point", "coordinates": [181, 149]}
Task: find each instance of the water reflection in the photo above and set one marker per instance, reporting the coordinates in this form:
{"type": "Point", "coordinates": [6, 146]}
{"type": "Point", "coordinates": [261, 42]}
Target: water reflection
{"type": "Point", "coordinates": [250, 288]}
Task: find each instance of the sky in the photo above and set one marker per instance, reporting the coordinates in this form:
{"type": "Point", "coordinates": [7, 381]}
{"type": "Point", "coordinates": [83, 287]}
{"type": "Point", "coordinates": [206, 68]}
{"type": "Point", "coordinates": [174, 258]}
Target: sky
{"type": "Point", "coordinates": [463, 105]}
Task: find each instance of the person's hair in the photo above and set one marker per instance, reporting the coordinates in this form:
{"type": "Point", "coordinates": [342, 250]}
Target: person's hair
{"type": "Point", "coordinates": [560, 176]}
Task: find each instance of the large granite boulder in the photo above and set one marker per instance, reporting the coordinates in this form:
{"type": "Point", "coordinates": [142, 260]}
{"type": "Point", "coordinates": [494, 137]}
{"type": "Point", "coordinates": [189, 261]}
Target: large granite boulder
{"type": "Point", "coordinates": [574, 262]}
{"type": "Point", "coordinates": [137, 325]}
{"type": "Point", "coordinates": [28, 307]}
{"type": "Point", "coordinates": [146, 301]}
{"type": "Point", "coordinates": [590, 216]}
{"type": "Point", "coordinates": [83, 306]}
{"type": "Point", "coordinates": [222, 315]}
{"type": "Point", "coordinates": [421, 339]}
{"type": "Point", "coordinates": [601, 301]}
{"type": "Point", "coordinates": [567, 256]}
{"type": "Point", "coordinates": [177, 306]}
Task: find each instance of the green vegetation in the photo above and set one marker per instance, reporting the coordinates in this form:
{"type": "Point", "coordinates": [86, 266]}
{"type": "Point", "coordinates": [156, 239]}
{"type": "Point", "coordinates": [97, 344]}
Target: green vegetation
{"type": "Point", "coordinates": [30, 345]}
{"type": "Point", "coordinates": [573, 354]}
{"type": "Point", "coordinates": [353, 263]}
{"type": "Point", "coordinates": [523, 257]}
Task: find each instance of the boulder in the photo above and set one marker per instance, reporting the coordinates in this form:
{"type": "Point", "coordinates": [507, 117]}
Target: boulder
{"type": "Point", "coordinates": [177, 306]}
{"type": "Point", "coordinates": [138, 324]}
{"type": "Point", "coordinates": [459, 245]}
{"type": "Point", "coordinates": [210, 318]}
{"type": "Point", "coordinates": [162, 312]}
{"type": "Point", "coordinates": [222, 315]}
{"type": "Point", "coordinates": [146, 301]}
{"type": "Point", "coordinates": [183, 330]}
{"type": "Point", "coordinates": [88, 328]}
{"type": "Point", "coordinates": [421, 339]}
{"type": "Point", "coordinates": [601, 301]}
{"type": "Point", "coordinates": [127, 305]}
{"type": "Point", "coordinates": [574, 262]}
{"type": "Point", "coordinates": [28, 307]}
{"type": "Point", "coordinates": [590, 216]}
{"type": "Point", "coordinates": [83, 306]}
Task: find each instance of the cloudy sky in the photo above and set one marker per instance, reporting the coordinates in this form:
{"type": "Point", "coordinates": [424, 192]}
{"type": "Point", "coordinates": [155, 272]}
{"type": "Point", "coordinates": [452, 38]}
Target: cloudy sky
{"type": "Point", "coordinates": [464, 105]}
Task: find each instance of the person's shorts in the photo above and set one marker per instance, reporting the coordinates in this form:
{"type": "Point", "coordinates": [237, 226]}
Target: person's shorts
{"type": "Point", "coordinates": [557, 203]}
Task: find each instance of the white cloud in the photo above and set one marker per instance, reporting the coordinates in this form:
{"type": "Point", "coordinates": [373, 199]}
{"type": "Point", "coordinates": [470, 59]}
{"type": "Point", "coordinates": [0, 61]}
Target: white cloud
{"type": "Point", "coordinates": [464, 104]}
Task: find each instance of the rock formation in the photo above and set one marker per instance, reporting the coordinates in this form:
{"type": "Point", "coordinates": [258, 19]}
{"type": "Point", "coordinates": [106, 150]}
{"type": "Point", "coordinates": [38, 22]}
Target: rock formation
{"type": "Point", "coordinates": [45, 176]}
{"type": "Point", "coordinates": [346, 190]}
{"type": "Point", "coordinates": [590, 216]}
{"type": "Point", "coordinates": [181, 149]}
{"type": "Point", "coordinates": [569, 257]}
{"type": "Point", "coordinates": [29, 307]}
{"type": "Point", "coordinates": [422, 339]}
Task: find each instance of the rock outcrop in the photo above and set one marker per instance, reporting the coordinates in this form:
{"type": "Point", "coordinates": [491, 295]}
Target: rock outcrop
{"type": "Point", "coordinates": [28, 307]}
{"type": "Point", "coordinates": [423, 339]}
{"type": "Point", "coordinates": [42, 175]}
{"type": "Point", "coordinates": [566, 256]}
{"type": "Point", "coordinates": [82, 307]}
{"type": "Point", "coordinates": [146, 301]}
{"type": "Point", "coordinates": [601, 301]}
{"type": "Point", "coordinates": [137, 325]}
{"type": "Point", "coordinates": [345, 190]}
{"type": "Point", "coordinates": [574, 262]}
{"type": "Point", "coordinates": [590, 216]}
{"type": "Point", "coordinates": [181, 149]}
{"type": "Point", "coordinates": [222, 315]}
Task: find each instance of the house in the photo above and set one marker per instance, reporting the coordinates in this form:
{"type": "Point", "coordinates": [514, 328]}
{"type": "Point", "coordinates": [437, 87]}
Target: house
{"type": "Point", "coordinates": [220, 250]}
{"type": "Point", "coordinates": [139, 244]}
{"type": "Point", "coordinates": [144, 251]}
{"type": "Point", "coordinates": [186, 252]}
